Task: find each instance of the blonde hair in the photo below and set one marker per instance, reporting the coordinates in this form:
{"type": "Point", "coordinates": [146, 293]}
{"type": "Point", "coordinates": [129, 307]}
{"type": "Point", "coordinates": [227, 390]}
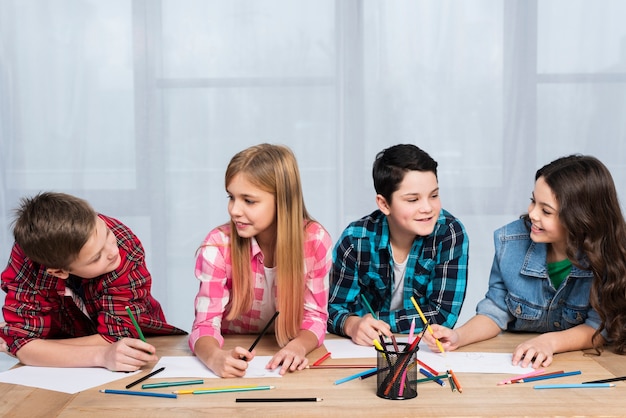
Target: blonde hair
{"type": "Point", "coordinates": [273, 168]}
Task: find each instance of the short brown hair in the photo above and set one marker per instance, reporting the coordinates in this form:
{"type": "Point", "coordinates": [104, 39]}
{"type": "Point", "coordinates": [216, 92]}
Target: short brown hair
{"type": "Point", "coordinates": [52, 228]}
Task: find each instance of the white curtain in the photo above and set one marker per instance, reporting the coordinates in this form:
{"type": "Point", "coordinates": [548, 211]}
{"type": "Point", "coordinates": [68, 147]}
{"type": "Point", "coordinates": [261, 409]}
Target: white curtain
{"type": "Point", "coordinates": [138, 105]}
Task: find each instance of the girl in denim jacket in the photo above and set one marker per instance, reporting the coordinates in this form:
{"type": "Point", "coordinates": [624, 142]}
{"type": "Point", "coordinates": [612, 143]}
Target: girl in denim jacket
{"type": "Point", "coordinates": [559, 270]}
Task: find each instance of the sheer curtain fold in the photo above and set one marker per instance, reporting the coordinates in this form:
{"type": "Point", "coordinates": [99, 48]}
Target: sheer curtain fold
{"type": "Point", "coordinates": [138, 106]}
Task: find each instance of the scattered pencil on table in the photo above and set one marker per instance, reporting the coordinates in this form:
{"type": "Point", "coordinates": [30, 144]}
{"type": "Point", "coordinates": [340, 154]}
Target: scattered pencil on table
{"type": "Point", "coordinates": [427, 367]}
{"type": "Point", "coordinates": [612, 379]}
{"type": "Point", "coordinates": [141, 379]}
{"type": "Point", "coordinates": [538, 375]}
{"type": "Point", "coordinates": [279, 400]}
{"type": "Point", "coordinates": [135, 393]}
{"type": "Point", "coordinates": [452, 387]}
{"type": "Point", "coordinates": [219, 388]}
{"type": "Point", "coordinates": [433, 377]}
{"type": "Point", "coordinates": [224, 390]}
{"type": "Point", "coordinates": [521, 376]}
{"type": "Point", "coordinates": [548, 376]}
{"type": "Point", "coordinates": [355, 376]}
{"type": "Point", "coordinates": [457, 385]}
{"type": "Point", "coordinates": [421, 314]}
{"type": "Point", "coordinates": [321, 359]}
{"type": "Point", "coordinates": [169, 384]}
{"type": "Point", "coordinates": [341, 366]}
{"type": "Point", "coordinates": [576, 386]}
{"type": "Point", "coordinates": [135, 323]}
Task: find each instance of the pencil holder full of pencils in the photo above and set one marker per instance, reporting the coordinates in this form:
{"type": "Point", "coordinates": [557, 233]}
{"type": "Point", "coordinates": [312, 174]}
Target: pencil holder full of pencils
{"type": "Point", "coordinates": [396, 371]}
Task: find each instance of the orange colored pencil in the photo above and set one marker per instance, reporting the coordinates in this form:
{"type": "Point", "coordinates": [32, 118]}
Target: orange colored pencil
{"type": "Point", "coordinates": [456, 381]}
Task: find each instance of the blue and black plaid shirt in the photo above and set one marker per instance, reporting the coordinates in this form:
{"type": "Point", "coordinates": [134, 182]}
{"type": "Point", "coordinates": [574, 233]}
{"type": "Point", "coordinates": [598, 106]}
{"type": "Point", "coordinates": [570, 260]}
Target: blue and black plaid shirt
{"type": "Point", "coordinates": [436, 274]}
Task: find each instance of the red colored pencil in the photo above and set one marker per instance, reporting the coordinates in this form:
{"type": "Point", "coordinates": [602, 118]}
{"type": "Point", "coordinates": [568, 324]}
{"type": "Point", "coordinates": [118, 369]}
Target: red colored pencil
{"type": "Point", "coordinates": [321, 359]}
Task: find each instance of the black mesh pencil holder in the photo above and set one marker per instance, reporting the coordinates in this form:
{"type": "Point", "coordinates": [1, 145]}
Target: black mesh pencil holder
{"type": "Point", "coordinates": [396, 372]}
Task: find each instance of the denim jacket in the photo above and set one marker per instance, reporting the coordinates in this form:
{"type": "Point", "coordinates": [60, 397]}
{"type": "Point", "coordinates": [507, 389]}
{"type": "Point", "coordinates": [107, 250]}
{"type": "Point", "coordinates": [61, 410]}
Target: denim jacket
{"type": "Point", "coordinates": [521, 296]}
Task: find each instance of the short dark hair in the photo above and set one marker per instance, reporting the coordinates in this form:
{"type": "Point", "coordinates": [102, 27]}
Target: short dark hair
{"type": "Point", "coordinates": [51, 228]}
{"type": "Point", "coordinates": [391, 165]}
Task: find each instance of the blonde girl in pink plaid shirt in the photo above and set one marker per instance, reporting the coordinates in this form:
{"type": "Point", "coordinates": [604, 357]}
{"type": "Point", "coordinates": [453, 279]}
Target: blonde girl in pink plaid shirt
{"type": "Point", "coordinates": [271, 256]}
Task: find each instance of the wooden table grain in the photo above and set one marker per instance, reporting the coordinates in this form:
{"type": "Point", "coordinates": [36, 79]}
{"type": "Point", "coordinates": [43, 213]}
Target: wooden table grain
{"type": "Point", "coordinates": [357, 398]}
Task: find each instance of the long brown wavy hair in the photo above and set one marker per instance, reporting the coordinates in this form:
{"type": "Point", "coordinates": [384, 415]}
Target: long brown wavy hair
{"type": "Point", "coordinates": [589, 210]}
{"type": "Point", "coordinates": [273, 168]}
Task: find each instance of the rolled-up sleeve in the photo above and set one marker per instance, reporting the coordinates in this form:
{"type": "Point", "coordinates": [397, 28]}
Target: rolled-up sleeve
{"type": "Point", "coordinates": [212, 270]}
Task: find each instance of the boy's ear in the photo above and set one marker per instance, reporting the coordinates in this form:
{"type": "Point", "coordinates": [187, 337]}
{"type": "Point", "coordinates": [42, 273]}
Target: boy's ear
{"type": "Point", "coordinates": [59, 273]}
{"type": "Point", "coordinates": [382, 204]}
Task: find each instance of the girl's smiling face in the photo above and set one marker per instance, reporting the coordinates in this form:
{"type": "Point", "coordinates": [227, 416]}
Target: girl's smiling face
{"type": "Point", "coordinates": [252, 210]}
{"type": "Point", "coordinates": [543, 212]}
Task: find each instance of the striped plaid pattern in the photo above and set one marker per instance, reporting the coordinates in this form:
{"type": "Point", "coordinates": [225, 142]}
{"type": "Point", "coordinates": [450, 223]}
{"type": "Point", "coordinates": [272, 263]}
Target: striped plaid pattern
{"type": "Point", "coordinates": [213, 270]}
{"type": "Point", "coordinates": [37, 306]}
{"type": "Point", "coordinates": [436, 273]}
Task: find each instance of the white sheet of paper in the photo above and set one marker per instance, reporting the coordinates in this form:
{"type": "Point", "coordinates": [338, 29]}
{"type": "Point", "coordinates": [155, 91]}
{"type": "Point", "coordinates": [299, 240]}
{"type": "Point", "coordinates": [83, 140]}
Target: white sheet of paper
{"type": "Point", "coordinates": [191, 366]}
{"type": "Point", "coordinates": [61, 379]}
{"type": "Point", "coordinates": [460, 362]}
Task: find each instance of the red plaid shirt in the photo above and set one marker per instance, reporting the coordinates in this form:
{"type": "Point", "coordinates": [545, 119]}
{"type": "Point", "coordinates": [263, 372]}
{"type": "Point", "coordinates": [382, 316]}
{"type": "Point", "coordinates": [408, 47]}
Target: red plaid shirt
{"type": "Point", "coordinates": [36, 305]}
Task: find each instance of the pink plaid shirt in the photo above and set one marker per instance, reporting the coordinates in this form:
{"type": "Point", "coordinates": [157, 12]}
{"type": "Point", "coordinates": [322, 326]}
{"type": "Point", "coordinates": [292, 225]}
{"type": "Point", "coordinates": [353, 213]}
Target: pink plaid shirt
{"type": "Point", "coordinates": [213, 269]}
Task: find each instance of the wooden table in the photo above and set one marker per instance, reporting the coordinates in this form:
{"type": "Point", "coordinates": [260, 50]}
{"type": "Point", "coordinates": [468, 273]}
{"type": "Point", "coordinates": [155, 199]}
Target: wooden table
{"type": "Point", "coordinates": [481, 396]}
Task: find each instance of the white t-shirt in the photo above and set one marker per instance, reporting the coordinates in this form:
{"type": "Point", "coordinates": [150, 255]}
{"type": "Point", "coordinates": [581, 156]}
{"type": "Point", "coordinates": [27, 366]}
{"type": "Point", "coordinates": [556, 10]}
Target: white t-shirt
{"type": "Point", "coordinates": [268, 304]}
{"type": "Point", "coordinates": [398, 285]}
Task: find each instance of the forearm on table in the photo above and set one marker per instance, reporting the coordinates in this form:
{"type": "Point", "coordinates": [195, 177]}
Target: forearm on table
{"type": "Point", "coordinates": [576, 338]}
{"type": "Point", "coordinates": [478, 328]}
{"type": "Point", "coordinates": [74, 352]}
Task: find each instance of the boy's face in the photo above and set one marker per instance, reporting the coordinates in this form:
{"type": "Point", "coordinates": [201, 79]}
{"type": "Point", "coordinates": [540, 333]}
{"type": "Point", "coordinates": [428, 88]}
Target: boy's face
{"type": "Point", "coordinates": [99, 255]}
{"type": "Point", "coordinates": [415, 206]}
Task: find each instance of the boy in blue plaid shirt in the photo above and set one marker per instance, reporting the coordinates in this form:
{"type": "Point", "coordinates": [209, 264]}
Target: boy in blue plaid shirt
{"type": "Point", "coordinates": [408, 247]}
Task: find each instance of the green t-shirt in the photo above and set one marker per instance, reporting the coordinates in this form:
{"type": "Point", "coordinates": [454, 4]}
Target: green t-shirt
{"type": "Point", "coordinates": [558, 271]}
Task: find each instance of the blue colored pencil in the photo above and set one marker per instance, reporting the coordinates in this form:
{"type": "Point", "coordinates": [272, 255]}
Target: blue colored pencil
{"type": "Point", "coordinates": [134, 393]}
{"type": "Point", "coordinates": [548, 376]}
{"type": "Point", "coordinates": [355, 376]}
{"type": "Point", "coordinates": [432, 376]}
{"type": "Point", "coordinates": [575, 386]}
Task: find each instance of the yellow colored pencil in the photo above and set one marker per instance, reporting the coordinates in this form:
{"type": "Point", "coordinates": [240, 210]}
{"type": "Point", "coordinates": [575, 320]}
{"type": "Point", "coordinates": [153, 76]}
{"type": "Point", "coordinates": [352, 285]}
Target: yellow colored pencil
{"type": "Point", "coordinates": [191, 391]}
{"type": "Point", "coordinates": [421, 314]}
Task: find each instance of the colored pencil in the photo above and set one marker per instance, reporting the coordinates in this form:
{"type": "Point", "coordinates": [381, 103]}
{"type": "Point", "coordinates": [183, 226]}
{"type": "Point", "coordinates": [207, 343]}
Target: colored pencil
{"type": "Point", "coordinates": [135, 393]}
{"type": "Point", "coordinates": [279, 400]}
{"type": "Point", "coordinates": [427, 367]}
{"type": "Point", "coordinates": [432, 376]}
{"type": "Point", "coordinates": [452, 385]}
{"type": "Point", "coordinates": [341, 366]}
{"type": "Point", "coordinates": [354, 376]}
{"type": "Point", "coordinates": [191, 391]}
{"type": "Point", "coordinates": [521, 376]}
{"type": "Point", "coordinates": [141, 379]}
{"type": "Point", "coordinates": [411, 331]}
{"type": "Point", "coordinates": [613, 379]}
{"type": "Point", "coordinates": [367, 305]}
{"type": "Point", "coordinates": [263, 331]}
{"type": "Point", "coordinates": [431, 379]}
{"type": "Point", "coordinates": [576, 386]}
{"type": "Point", "coordinates": [169, 384]}
{"type": "Point", "coordinates": [456, 381]}
{"type": "Point", "coordinates": [523, 379]}
{"type": "Point", "coordinates": [205, 391]}
{"type": "Point", "coordinates": [421, 314]}
{"type": "Point", "coordinates": [321, 359]}
{"type": "Point", "coordinates": [132, 318]}
{"type": "Point", "coordinates": [550, 376]}
{"type": "Point", "coordinates": [372, 373]}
